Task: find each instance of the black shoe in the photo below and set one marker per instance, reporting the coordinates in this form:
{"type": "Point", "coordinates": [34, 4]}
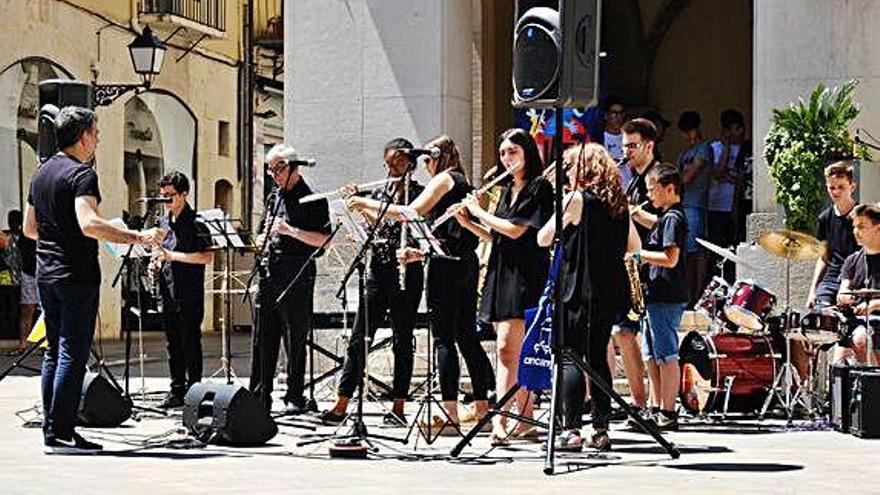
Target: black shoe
{"type": "Point", "coordinates": [667, 422]}
{"type": "Point", "coordinates": [294, 409]}
{"type": "Point", "coordinates": [77, 444]}
{"type": "Point", "coordinates": [393, 420]}
{"type": "Point", "coordinates": [171, 401]}
{"type": "Point", "coordinates": [330, 418]}
{"type": "Point", "coordinates": [633, 425]}
{"type": "Point", "coordinates": [600, 441]}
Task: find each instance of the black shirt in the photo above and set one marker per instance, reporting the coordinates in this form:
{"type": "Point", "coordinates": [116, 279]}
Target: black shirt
{"type": "Point", "coordinates": [184, 282]}
{"type": "Point", "coordinates": [27, 249]}
{"type": "Point", "coordinates": [837, 231]}
{"type": "Point", "coordinates": [388, 234]}
{"type": "Point", "coordinates": [607, 271]}
{"type": "Point", "coordinates": [455, 239]}
{"type": "Point", "coordinates": [637, 193]}
{"type": "Point", "coordinates": [64, 253]}
{"type": "Point", "coordinates": [668, 284]}
{"type": "Point", "coordinates": [313, 216]}
{"type": "Point", "coordinates": [862, 270]}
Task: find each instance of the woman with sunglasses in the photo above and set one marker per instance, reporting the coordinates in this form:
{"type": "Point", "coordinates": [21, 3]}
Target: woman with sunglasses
{"type": "Point", "coordinates": [597, 233]}
{"type": "Point", "coordinates": [517, 265]}
{"type": "Point", "coordinates": [452, 281]}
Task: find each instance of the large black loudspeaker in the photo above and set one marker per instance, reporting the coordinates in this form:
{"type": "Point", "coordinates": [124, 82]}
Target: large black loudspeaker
{"type": "Point", "coordinates": [865, 405]}
{"type": "Point", "coordinates": [56, 94]}
{"type": "Point", "coordinates": [101, 404]}
{"type": "Point", "coordinates": [555, 53]}
{"type": "Point", "coordinates": [227, 414]}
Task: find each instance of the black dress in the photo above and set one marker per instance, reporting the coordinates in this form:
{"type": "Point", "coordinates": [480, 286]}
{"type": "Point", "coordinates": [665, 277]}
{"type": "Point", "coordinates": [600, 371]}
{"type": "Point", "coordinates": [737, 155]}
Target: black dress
{"type": "Point", "coordinates": [518, 267]}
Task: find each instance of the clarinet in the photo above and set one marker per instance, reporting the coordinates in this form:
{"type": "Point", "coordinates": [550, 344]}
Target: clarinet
{"type": "Point", "coordinates": [271, 239]}
{"type": "Point", "coordinates": [401, 267]}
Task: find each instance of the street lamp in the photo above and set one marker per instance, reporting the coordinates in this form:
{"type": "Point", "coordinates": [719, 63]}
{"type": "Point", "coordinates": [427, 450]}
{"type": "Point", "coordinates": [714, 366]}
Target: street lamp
{"type": "Point", "coordinates": [147, 53]}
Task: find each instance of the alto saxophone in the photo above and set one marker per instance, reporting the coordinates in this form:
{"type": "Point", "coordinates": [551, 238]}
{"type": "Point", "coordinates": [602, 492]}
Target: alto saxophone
{"type": "Point", "coordinates": [631, 262]}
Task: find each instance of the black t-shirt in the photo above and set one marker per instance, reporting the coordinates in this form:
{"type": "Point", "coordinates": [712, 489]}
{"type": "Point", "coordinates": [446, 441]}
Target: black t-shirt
{"type": "Point", "coordinates": [385, 253]}
{"type": "Point", "coordinates": [313, 216]}
{"type": "Point", "coordinates": [837, 231]}
{"type": "Point", "coordinates": [64, 253]}
{"type": "Point", "coordinates": [184, 282]}
{"type": "Point", "coordinates": [455, 239]}
{"type": "Point", "coordinates": [27, 249]}
{"type": "Point", "coordinates": [862, 270]}
{"type": "Point", "coordinates": [637, 193]}
{"type": "Point", "coordinates": [668, 284]}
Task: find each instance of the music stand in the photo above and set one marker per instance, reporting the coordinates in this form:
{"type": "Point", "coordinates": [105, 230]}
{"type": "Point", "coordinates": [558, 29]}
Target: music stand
{"type": "Point", "coordinates": [224, 238]}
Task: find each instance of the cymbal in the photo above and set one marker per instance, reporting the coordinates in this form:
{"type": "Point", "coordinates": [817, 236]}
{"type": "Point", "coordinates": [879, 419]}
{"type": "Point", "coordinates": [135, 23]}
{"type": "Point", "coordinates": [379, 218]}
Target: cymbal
{"type": "Point", "coordinates": [795, 246]}
{"type": "Point", "coordinates": [862, 293]}
{"type": "Point", "coordinates": [724, 253]}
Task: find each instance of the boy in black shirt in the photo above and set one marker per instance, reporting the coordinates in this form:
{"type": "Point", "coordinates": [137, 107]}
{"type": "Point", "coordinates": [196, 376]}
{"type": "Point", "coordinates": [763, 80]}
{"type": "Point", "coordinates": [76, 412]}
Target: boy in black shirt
{"type": "Point", "coordinates": [182, 286]}
{"type": "Point", "coordinates": [666, 295]}
{"type": "Point", "coordinates": [861, 270]}
{"type": "Point", "coordinates": [835, 227]}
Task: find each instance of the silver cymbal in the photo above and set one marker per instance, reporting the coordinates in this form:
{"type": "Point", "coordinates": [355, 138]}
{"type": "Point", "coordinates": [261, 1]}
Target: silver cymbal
{"type": "Point", "coordinates": [724, 253]}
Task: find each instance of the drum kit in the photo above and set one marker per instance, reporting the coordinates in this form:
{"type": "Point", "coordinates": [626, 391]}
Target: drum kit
{"type": "Point", "coordinates": [744, 361]}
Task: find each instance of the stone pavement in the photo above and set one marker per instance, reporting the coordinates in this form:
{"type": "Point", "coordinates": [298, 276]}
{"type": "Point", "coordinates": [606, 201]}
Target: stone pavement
{"type": "Point", "coordinates": [732, 457]}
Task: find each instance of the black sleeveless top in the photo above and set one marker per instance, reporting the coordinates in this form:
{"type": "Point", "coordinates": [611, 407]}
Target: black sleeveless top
{"type": "Point", "coordinates": [594, 271]}
{"type": "Point", "coordinates": [455, 239]}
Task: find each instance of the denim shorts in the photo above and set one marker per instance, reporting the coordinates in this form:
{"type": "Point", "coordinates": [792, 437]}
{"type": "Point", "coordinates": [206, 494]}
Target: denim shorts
{"type": "Point", "coordinates": [696, 218]}
{"type": "Point", "coordinates": [660, 338]}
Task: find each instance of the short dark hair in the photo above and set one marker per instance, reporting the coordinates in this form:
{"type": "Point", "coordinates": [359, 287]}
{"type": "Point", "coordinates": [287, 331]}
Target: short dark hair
{"type": "Point", "coordinates": [731, 117]}
{"type": "Point", "coordinates": [400, 144]}
{"type": "Point", "coordinates": [841, 170]}
{"type": "Point", "coordinates": [609, 101]}
{"type": "Point", "coordinates": [869, 211]}
{"type": "Point", "coordinates": [534, 165]}
{"type": "Point", "coordinates": [666, 174]}
{"type": "Point", "coordinates": [71, 123]}
{"type": "Point", "coordinates": [14, 219]}
{"type": "Point", "coordinates": [641, 126]}
{"type": "Point", "coordinates": [175, 179]}
{"type": "Point", "coordinates": [689, 121]}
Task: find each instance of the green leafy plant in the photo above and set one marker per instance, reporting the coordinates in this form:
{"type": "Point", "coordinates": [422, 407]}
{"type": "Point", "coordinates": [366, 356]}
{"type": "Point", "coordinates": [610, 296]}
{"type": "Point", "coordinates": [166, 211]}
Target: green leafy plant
{"type": "Point", "coordinates": [802, 139]}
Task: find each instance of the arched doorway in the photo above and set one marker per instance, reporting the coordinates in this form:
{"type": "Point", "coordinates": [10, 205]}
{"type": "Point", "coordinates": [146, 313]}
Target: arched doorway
{"type": "Point", "coordinates": [19, 105]}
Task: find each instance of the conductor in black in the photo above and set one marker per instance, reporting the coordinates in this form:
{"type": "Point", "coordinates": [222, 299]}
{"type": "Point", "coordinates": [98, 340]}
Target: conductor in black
{"type": "Point", "coordinates": [294, 232]}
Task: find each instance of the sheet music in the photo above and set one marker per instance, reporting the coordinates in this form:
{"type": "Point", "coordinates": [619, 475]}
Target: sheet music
{"type": "Point", "coordinates": [220, 227]}
{"type": "Point", "coordinates": [341, 214]}
{"type": "Point", "coordinates": [420, 231]}
{"type": "Point", "coordinates": [118, 250]}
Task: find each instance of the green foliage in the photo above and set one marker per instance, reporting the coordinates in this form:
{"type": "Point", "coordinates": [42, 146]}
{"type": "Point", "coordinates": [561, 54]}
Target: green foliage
{"type": "Point", "coordinates": [802, 139]}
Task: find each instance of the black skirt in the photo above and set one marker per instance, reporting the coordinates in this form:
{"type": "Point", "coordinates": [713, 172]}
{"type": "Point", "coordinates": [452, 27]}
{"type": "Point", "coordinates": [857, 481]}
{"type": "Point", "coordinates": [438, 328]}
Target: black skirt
{"type": "Point", "coordinates": [513, 285]}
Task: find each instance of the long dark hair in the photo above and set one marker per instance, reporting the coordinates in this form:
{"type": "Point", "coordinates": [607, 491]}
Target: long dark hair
{"type": "Point", "coordinates": [449, 158]}
{"type": "Point", "coordinates": [533, 164]}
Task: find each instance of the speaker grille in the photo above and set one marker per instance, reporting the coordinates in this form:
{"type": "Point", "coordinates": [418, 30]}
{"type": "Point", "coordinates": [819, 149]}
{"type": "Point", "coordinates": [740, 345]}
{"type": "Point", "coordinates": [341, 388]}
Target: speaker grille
{"type": "Point", "coordinates": [535, 62]}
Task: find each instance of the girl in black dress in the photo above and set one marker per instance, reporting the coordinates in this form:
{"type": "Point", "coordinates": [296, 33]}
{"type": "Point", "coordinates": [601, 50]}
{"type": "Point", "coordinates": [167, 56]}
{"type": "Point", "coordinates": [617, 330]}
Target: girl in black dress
{"type": "Point", "coordinates": [452, 282]}
{"type": "Point", "coordinates": [597, 233]}
{"type": "Point", "coordinates": [517, 265]}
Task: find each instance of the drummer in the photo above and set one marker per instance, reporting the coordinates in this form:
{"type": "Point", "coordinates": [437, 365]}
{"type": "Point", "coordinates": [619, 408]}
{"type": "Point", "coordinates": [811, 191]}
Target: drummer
{"type": "Point", "coordinates": [861, 270]}
{"type": "Point", "coordinates": [835, 227]}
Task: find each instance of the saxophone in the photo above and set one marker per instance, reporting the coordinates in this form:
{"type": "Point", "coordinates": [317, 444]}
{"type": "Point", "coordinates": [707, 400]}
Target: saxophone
{"type": "Point", "coordinates": [631, 262]}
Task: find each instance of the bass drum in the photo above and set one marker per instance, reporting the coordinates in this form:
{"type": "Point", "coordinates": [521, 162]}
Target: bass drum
{"type": "Point", "coordinates": [711, 363]}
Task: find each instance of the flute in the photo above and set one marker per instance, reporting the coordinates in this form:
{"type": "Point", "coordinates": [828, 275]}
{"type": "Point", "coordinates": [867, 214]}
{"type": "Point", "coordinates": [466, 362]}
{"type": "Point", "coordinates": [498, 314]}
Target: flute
{"type": "Point", "coordinates": [451, 212]}
{"type": "Point", "coordinates": [403, 227]}
{"type": "Point", "coordinates": [338, 192]}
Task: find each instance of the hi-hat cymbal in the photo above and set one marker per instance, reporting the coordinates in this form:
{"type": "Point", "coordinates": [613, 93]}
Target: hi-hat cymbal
{"type": "Point", "coordinates": [795, 246]}
{"type": "Point", "coordinates": [867, 293]}
{"type": "Point", "coordinates": [724, 253]}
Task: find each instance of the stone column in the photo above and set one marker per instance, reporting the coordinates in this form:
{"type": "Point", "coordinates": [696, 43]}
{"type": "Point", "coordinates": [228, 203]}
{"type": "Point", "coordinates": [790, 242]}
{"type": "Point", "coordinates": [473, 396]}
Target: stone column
{"type": "Point", "coordinates": [360, 72]}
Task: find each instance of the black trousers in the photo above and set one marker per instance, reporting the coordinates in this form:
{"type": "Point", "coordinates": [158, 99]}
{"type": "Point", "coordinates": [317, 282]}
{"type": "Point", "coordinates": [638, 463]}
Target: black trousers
{"type": "Point", "coordinates": [587, 336]}
{"type": "Point", "coordinates": [452, 307]}
{"type": "Point", "coordinates": [384, 297]}
{"type": "Point", "coordinates": [289, 322]}
{"type": "Point", "coordinates": [183, 333]}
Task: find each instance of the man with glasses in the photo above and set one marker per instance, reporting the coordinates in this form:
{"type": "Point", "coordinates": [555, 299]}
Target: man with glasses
{"type": "Point", "coordinates": [294, 232]}
{"type": "Point", "coordinates": [385, 296]}
{"type": "Point", "coordinates": [184, 254]}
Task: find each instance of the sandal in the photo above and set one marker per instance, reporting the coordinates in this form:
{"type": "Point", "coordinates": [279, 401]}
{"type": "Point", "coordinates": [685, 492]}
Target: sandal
{"type": "Point", "coordinates": [499, 439]}
{"type": "Point", "coordinates": [567, 441]}
{"type": "Point", "coordinates": [527, 433]}
{"type": "Point", "coordinates": [600, 441]}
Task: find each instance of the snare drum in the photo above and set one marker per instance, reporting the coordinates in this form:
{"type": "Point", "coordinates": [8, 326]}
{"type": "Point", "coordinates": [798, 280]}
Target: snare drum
{"type": "Point", "coordinates": [749, 304]}
{"type": "Point", "coordinates": [821, 327]}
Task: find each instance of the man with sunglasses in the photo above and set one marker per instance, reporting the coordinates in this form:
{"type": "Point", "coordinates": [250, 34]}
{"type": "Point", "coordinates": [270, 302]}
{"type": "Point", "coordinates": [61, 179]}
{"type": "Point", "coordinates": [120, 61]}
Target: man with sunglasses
{"type": "Point", "coordinates": [184, 254]}
{"type": "Point", "coordinates": [294, 232]}
{"type": "Point", "coordinates": [384, 296]}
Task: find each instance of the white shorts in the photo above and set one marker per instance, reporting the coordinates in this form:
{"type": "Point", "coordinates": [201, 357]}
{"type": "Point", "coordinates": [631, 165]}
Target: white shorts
{"type": "Point", "coordinates": [29, 293]}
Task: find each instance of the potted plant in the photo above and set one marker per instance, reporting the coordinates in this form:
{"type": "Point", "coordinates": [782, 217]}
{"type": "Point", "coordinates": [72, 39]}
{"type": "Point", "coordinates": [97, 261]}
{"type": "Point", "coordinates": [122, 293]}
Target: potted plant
{"type": "Point", "coordinates": [802, 139]}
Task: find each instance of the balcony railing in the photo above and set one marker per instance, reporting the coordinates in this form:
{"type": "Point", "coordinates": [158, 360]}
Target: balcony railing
{"type": "Point", "coordinates": [268, 22]}
{"type": "Point", "coordinates": [210, 13]}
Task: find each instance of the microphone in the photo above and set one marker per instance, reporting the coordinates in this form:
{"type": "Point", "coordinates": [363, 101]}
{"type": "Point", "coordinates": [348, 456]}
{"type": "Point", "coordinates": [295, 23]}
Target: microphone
{"type": "Point", "coordinates": [302, 163]}
{"type": "Point", "coordinates": [154, 199]}
{"type": "Point", "coordinates": [433, 152]}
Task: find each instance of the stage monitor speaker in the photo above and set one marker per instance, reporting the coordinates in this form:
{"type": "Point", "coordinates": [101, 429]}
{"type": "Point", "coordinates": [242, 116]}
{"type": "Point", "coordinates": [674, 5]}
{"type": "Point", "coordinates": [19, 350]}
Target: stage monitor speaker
{"type": "Point", "coordinates": [840, 393]}
{"type": "Point", "coordinates": [555, 53]}
{"type": "Point", "coordinates": [101, 404]}
{"type": "Point", "coordinates": [227, 414]}
{"type": "Point", "coordinates": [56, 94]}
{"type": "Point", "coordinates": [865, 405]}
